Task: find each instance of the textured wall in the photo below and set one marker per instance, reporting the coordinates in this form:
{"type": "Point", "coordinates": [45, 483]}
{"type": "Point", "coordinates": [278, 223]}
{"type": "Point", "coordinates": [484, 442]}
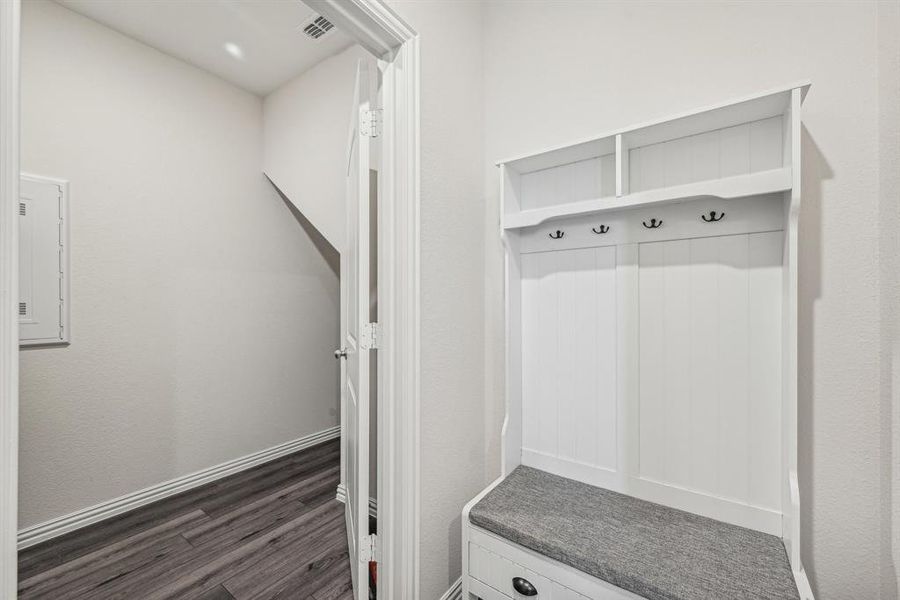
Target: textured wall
{"type": "Point", "coordinates": [889, 219]}
{"type": "Point", "coordinates": [203, 313]}
{"type": "Point", "coordinates": [601, 65]}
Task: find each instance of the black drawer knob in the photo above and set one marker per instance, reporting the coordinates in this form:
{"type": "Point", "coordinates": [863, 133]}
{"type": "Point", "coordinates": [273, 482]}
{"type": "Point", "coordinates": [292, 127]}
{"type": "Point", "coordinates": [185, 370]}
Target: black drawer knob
{"type": "Point", "coordinates": [524, 587]}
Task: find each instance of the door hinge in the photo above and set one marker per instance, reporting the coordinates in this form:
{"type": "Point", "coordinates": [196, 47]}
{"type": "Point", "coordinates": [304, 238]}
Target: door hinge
{"type": "Point", "coordinates": [371, 336]}
{"type": "Point", "coordinates": [370, 123]}
{"type": "Point", "coordinates": [368, 548]}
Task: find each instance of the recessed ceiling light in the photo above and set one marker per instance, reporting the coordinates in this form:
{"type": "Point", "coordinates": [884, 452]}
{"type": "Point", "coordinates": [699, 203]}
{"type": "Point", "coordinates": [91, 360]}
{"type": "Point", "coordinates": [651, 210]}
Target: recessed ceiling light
{"type": "Point", "coordinates": [234, 50]}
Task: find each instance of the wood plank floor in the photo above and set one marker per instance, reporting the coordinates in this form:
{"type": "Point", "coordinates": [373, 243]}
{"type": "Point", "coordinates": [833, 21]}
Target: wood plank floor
{"type": "Point", "coordinates": [274, 531]}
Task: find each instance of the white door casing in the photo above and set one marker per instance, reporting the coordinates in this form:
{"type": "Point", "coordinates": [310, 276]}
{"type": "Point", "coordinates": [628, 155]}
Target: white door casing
{"type": "Point", "coordinates": [357, 338]}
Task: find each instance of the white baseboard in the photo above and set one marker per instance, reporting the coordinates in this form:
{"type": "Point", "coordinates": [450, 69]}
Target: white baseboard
{"type": "Point", "coordinates": [47, 530]}
{"type": "Point", "coordinates": [455, 591]}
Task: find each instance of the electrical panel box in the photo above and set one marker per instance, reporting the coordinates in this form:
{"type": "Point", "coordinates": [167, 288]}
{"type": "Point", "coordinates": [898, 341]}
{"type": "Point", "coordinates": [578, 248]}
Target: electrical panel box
{"type": "Point", "coordinates": [43, 261]}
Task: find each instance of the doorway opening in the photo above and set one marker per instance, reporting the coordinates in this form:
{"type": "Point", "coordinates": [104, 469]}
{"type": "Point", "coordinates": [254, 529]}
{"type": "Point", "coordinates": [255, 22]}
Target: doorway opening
{"type": "Point", "coordinates": [394, 44]}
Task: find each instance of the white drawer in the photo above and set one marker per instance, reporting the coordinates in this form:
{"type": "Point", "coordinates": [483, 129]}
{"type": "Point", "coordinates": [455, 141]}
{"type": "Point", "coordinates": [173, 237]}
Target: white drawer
{"type": "Point", "coordinates": [498, 573]}
{"type": "Point", "coordinates": [494, 562]}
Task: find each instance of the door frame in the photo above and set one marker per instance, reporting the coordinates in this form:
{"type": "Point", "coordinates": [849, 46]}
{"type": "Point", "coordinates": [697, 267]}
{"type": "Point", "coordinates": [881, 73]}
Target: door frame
{"type": "Point", "coordinates": [378, 29]}
{"type": "Point", "coordinates": [9, 293]}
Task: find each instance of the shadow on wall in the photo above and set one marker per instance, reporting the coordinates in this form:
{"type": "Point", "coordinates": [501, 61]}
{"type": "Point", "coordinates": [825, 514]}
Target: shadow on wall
{"type": "Point", "coordinates": [815, 170]}
{"type": "Point", "coordinates": [328, 252]}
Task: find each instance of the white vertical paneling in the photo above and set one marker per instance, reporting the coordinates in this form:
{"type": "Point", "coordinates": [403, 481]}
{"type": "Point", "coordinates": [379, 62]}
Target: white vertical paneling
{"type": "Point", "coordinates": [738, 150]}
{"type": "Point", "coordinates": [604, 366]}
{"type": "Point", "coordinates": [608, 176]}
{"type": "Point", "coordinates": [731, 367]}
{"type": "Point", "coordinates": [734, 150]}
{"type": "Point", "coordinates": [704, 354]}
{"type": "Point", "coordinates": [539, 351]}
{"type": "Point", "coordinates": [628, 358]}
{"type": "Point", "coordinates": [676, 361]}
{"type": "Point", "coordinates": [766, 144]}
{"type": "Point", "coordinates": [569, 355]}
{"type": "Point", "coordinates": [709, 399]}
{"type": "Point", "coordinates": [686, 397]}
{"type": "Point", "coordinates": [665, 376]}
{"type": "Point", "coordinates": [652, 360]}
{"type": "Point", "coordinates": [764, 385]}
{"type": "Point", "coordinates": [544, 189]}
{"type": "Point", "coordinates": [582, 180]}
{"type": "Point", "coordinates": [677, 161]}
{"type": "Point", "coordinates": [563, 184]}
{"type": "Point", "coordinates": [653, 167]}
{"type": "Point", "coordinates": [531, 381]}
{"type": "Point", "coordinates": [546, 358]}
{"type": "Point", "coordinates": [705, 156]}
{"type": "Point", "coordinates": [574, 385]}
{"type": "Point", "coordinates": [532, 190]}
{"type": "Point", "coordinates": [585, 180]}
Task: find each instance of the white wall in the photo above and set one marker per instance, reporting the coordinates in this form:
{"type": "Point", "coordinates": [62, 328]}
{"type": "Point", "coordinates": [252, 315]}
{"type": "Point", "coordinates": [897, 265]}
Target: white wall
{"type": "Point", "coordinates": [602, 65]}
{"type": "Point", "coordinates": [452, 258]}
{"type": "Point", "coordinates": [889, 209]}
{"type": "Point", "coordinates": [203, 313]}
{"type": "Point", "coordinates": [305, 140]}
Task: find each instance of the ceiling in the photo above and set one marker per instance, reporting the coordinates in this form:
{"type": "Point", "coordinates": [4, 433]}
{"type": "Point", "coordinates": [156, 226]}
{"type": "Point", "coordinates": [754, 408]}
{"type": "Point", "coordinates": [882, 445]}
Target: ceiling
{"type": "Point", "coordinates": [255, 44]}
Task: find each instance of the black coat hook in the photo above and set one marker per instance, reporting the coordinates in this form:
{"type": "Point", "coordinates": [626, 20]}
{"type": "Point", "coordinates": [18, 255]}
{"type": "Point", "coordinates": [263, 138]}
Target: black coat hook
{"type": "Point", "coordinates": [654, 224]}
{"type": "Point", "coordinates": [712, 217]}
{"type": "Point", "coordinates": [558, 235]}
{"type": "Point", "coordinates": [603, 229]}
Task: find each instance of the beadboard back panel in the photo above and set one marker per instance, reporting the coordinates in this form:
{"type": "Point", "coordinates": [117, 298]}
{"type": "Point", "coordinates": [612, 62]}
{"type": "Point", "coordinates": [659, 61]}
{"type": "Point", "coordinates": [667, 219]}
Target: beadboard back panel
{"type": "Point", "coordinates": [710, 366]}
{"type": "Point", "coordinates": [654, 369]}
{"type": "Point", "coordinates": [569, 357]}
{"type": "Point", "coordinates": [581, 180]}
{"type": "Point", "coordinates": [738, 150]}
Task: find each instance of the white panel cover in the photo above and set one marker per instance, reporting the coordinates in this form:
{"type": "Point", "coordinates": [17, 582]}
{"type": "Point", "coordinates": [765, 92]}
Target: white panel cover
{"type": "Point", "coordinates": [42, 262]}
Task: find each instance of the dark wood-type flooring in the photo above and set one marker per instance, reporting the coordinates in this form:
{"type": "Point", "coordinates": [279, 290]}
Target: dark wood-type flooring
{"type": "Point", "coordinates": [274, 532]}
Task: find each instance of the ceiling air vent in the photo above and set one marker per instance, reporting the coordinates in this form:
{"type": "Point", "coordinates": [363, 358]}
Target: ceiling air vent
{"type": "Point", "coordinates": [317, 27]}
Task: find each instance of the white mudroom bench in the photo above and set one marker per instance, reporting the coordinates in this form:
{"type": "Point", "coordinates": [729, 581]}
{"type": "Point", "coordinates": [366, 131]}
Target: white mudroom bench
{"type": "Point", "coordinates": [649, 447]}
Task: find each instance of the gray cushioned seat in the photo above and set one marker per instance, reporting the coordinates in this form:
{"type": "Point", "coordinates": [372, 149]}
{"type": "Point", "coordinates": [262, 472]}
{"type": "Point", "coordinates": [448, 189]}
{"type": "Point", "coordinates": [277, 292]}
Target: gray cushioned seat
{"type": "Point", "coordinates": [651, 550]}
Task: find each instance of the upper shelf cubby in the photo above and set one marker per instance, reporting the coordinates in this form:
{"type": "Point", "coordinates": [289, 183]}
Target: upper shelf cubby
{"type": "Point", "coordinates": [732, 150]}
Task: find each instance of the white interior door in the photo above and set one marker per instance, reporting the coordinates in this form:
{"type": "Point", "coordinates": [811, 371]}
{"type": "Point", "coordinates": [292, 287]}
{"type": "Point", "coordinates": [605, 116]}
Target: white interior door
{"type": "Point", "coordinates": [357, 335]}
